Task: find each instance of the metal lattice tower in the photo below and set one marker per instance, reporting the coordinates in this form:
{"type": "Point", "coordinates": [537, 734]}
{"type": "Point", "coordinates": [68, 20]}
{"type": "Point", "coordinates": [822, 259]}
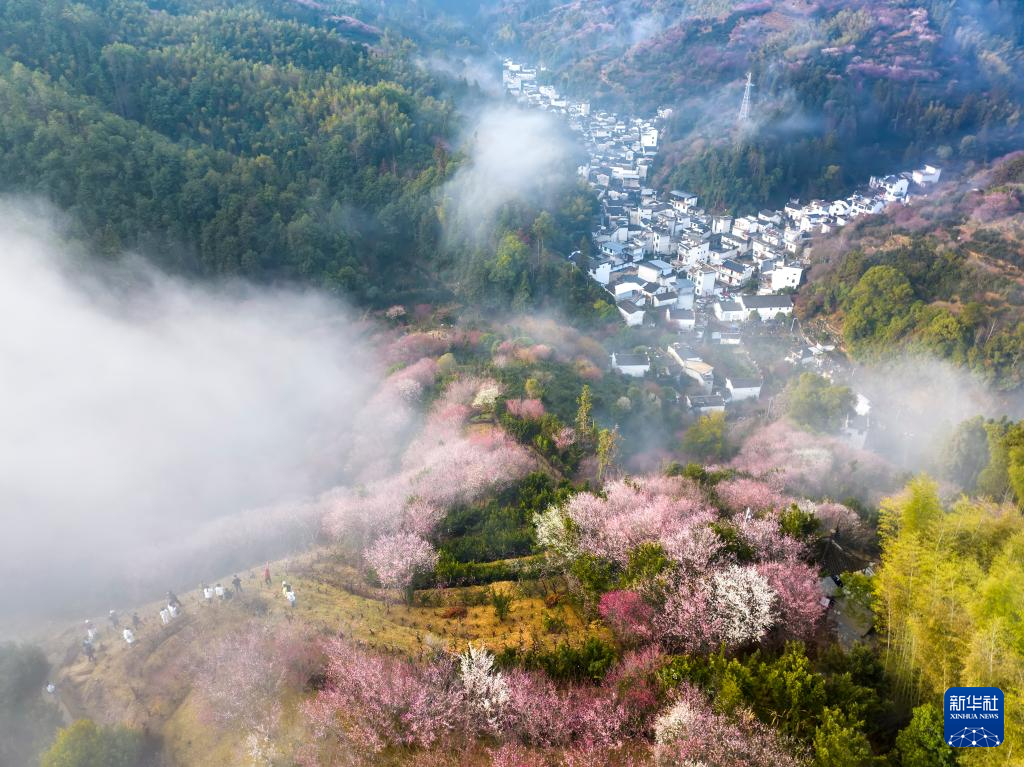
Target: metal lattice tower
{"type": "Point", "coordinates": [745, 106]}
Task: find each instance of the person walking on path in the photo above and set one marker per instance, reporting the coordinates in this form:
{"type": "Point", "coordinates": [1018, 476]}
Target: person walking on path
{"type": "Point", "coordinates": [266, 574]}
{"type": "Point", "coordinates": [237, 583]}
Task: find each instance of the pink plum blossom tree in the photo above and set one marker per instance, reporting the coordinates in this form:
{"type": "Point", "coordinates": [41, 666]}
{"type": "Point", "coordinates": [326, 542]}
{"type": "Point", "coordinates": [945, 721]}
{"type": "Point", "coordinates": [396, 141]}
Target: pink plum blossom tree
{"type": "Point", "coordinates": [628, 615]}
{"type": "Point", "coordinates": [689, 733]}
{"type": "Point", "coordinates": [798, 598]}
{"type": "Point", "coordinates": [399, 558]}
{"type": "Point", "coordinates": [244, 673]}
{"type": "Point", "coordinates": [528, 409]}
{"type": "Point", "coordinates": [372, 701]}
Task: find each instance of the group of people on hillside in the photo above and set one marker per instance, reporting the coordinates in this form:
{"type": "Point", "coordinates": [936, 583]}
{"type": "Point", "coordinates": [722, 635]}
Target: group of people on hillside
{"type": "Point", "coordinates": [207, 593]}
{"type": "Point", "coordinates": [173, 609]}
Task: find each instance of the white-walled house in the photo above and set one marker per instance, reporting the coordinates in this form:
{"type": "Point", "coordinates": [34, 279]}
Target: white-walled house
{"type": "Point", "coordinates": [685, 289]}
{"type": "Point", "coordinates": [701, 372]}
{"type": "Point", "coordinates": [653, 271]}
{"type": "Point", "coordinates": [767, 307]}
{"type": "Point", "coordinates": [705, 403]}
{"type": "Point", "coordinates": [704, 281]}
{"type": "Point", "coordinates": [786, 276]}
{"type": "Point", "coordinates": [631, 313]}
{"type": "Point", "coordinates": [693, 367]}
{"type": "Point", "coordinates": [730, 311]}
{"type": "Point", "coordinates": [635, 365]}
{"type": "Point", "coordinates": [929, 174]}
{"type": "Point", "coordinates": [743, 388]}
{"type": "Point", "coordinates": [680, 319]}
{"type": "Point", "coordinates": [894, 187]}
{"type": "Point", "coordinates": [668, 298]}
{"type": "Point", "coordinates": [601, 272]}
{"type": "Point", "coordinates": [693, 248]}
{"type": "Point", "coordinates": [628, 287]}
{"type": "Point", "coordinates": [735, 273]}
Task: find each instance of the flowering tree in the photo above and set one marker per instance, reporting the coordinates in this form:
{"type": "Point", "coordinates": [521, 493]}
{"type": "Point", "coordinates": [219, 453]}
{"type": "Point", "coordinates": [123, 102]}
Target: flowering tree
{"type": "Point", "coordinates": [486, 689]}
{"type": "Point", "coordinates": [742, 493]}
{"type": "Point", "coordinates": [812, 464]}
{"type": "Point", "coordinates": [689, 733]}
{"type": "Point", "coordinates": [687, 619]}
{"type": "Point", "coordinates": [555, 533]}
{"type": "Point", "coordinates": [798, 598]}
{"type": "Point", "coordinates": [840, 521]}
{"type": "Point", "coordinates": [528, 409]}
{"type": "Point", "coordinates": [398, 559]}
{"type": "Point", "coordinates": [651, 509]}
{"type": "Point", "coordinates": [243, 674]}
{"type": "Point", "coordinates": [373, 701]}
{"type": "Point", "coordinates": [744, 601]}
{"type": "Point", "coordinates": [565, 438]}
{"type": "Point", "coordinates": [765, 538]}
{"type": "Point", "coordinates": [628, 614]}
{"type": "Point", "coordinates": [443, 466]}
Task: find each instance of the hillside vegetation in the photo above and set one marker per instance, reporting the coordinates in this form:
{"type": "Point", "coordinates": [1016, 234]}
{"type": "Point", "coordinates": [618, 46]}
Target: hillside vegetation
{"type": "Point", "coordinates": [843, 90]}
{"type": "Point", "coordinates": [503, 594]}
{"type": "Point", "coordinates": [942, 276]}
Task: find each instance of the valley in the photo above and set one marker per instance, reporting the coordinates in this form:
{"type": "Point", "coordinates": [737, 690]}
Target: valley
{"type": "Point", "coordinates": [528, 384]}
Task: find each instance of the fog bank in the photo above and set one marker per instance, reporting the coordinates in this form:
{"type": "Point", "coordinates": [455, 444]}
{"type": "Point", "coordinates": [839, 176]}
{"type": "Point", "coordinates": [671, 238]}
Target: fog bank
{"type": "Point", "coordinates": [139, 409]}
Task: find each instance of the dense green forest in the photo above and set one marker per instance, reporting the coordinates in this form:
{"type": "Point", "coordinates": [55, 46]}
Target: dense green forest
{"type": "Point", "coordinates": [256, 140]}
{"type": "Point", "coordinates": [222, 141]}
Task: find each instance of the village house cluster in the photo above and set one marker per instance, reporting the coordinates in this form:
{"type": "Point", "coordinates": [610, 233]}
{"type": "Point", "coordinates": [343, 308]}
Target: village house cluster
{"type": "Point", "coordinates": [665, 259]}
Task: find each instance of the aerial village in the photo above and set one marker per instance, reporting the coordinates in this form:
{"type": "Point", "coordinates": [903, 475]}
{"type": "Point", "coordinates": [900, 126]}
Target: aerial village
{"type": "Point", "coordinates": [709, 280]}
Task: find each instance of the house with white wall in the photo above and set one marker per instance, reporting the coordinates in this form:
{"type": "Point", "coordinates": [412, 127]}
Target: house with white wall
{"type": "Point", "coordinates": [786, 276]}
{"type": "Point", "coordinates": [743, 388]}
{"type": "Point", "coordinates": [631, 313]}
{"type": "Point", "coordinates": [705, 403]}
{"type": "Point", "coordinates": [767, 307]}
{"type": "Point", "coordinates": [634, 365]}
{"type": "Point", "coordinates": [730, 311]}
{"type": "Point", "coordinates": [680, 319]}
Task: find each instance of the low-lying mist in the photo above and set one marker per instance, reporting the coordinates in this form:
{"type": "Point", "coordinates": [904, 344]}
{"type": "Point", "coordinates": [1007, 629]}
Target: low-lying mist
{"type": "Point", "coordinates": [513, 155]}
{"type": "Point", "coordinates": [918, 401]}
{"type": "Point", "coordinates": [147, 420]}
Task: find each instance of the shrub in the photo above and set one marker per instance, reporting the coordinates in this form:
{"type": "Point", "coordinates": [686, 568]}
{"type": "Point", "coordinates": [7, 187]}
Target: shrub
{"type": "Point", "coordinates": [85, 744]}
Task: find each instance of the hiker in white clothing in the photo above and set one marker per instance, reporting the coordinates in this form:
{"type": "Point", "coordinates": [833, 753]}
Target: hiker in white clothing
{"type": "Point", "coordinates": [129, 637]}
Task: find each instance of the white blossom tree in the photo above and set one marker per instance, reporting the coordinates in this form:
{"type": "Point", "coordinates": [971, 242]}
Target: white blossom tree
{"type": "Point", "coordinates": [486, 689]}
{"type": "Point", "coordinates": [744, 602]}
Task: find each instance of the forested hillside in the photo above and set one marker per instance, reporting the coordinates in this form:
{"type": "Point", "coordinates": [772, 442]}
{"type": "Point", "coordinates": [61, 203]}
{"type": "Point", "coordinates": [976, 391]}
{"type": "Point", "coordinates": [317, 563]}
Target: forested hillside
{"type": "Point", "coordinates": [224, 139]}
{"type": "Point", "coordinates": [942, 276]}
{"type": "Point", "coordinates": [267, 141]}
{"type": "Point", "coordinates": [842, 90]}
